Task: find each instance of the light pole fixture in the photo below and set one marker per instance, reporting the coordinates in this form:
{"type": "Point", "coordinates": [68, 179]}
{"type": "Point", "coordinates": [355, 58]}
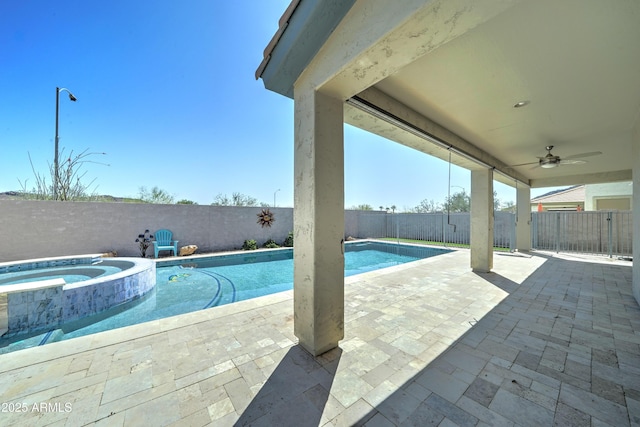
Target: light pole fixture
{"type": "Point", "coordinates": [274, 197]}
{"type": "Point", "coordinates": [55, 155]}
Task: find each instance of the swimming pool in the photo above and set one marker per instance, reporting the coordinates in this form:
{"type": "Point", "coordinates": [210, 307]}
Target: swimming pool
{"type": "Point", "coordinates": [185, 285]}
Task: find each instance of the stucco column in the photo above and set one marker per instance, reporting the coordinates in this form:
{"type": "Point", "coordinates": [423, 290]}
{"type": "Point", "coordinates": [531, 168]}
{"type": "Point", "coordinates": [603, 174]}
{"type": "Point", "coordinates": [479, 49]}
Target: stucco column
{"type": "Point", "coordinates": [482, 220]}
{"type": "Point", "coordinates": [318, 216]}
{"type": "Point", "coordinates": [523, 227]}
{"type": "Point", "coordinates": [635, 209]}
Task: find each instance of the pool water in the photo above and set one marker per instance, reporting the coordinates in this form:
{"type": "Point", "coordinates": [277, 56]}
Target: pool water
{"type": "Point", "coordinates": [184, 286]}
{"type": "Point", "coordinates": [70, 274]}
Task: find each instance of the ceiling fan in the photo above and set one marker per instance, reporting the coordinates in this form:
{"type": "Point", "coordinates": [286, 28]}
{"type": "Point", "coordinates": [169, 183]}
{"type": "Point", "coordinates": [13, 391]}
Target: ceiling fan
{"type": "Point", "coordinates": [551, 161]}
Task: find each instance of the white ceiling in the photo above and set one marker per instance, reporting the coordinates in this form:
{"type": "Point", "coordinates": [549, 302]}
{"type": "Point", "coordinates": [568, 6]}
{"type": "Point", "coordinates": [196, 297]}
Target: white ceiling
{"type": "Point", "coordinates": [576, 61]}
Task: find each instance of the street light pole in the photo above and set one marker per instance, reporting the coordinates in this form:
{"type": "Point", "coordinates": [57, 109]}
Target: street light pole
{"type": "Point", "coordinates": [274, 197]}
{"type": "Point", "coordinates": [56, 176]}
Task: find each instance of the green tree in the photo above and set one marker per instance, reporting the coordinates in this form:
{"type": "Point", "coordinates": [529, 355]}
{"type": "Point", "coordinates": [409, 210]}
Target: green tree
{"type": "Point", "coordinates": [185, 202]}
{"type": "Point", "coordinates": [236, 199]}
{"type": "Point", "coordinates": [508, 207]}
{"type": "Point", "coordinates": [156, 195]}
{"type": "Point", "coordinates": [425, 206]}
{"type": "Point", "coordinates": [363, 207]}
{"type": "Point", "coordinates": [458, 202]}
{"type": "Point", "coordinates": [496, 201]}
{"type": "Point", "coordinates": [461, 202]}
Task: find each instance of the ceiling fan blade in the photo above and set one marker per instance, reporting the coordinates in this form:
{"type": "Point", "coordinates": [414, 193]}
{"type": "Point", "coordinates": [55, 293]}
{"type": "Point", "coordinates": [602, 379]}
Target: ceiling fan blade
{"type": "Point", "coordinates": [524, 164]}
{"type": "Point", "coordinates": [579, 156]}
{"type": "Point", "coordinates": [572, 162]}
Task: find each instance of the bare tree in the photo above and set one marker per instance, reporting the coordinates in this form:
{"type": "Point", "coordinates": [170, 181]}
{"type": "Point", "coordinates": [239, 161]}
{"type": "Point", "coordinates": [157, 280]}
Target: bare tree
{"type": "Point", "coordinates": [70, 179]}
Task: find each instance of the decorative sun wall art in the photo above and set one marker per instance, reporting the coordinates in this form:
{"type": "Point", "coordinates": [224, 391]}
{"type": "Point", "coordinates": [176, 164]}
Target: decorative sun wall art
{"type": "Point", "coordinates": [265, 218]}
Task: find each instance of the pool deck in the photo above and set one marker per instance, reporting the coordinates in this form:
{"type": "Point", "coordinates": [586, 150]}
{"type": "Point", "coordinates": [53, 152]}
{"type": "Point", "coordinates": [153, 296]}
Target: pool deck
{"type": "Point", "coordinates": [542, 340]}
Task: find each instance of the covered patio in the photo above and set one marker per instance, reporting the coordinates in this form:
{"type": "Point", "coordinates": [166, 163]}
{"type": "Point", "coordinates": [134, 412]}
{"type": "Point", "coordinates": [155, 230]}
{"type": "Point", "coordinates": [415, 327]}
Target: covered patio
{"type": "Point", "coordinates": [467, 338]}
{"type": "Point", "coordinates": [530, 94]}
{"type": "Point", "coordinates": [541, 340]}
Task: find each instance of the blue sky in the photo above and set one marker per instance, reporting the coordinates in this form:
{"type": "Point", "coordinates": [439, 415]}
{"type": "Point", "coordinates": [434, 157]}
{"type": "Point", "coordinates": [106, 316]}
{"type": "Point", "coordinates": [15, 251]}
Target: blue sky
{"type": "Point", "coordinates": [167, 90]}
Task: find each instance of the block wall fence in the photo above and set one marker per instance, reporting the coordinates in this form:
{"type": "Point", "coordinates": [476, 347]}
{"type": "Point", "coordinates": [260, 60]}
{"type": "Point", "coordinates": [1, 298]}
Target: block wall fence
{"type": "Point", "coordinates": [37, 229]}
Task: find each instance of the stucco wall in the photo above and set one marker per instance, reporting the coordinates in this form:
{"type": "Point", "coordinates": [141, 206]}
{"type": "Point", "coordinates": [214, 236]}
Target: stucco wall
{"type": "Point", "coordinates": [33, 229]}
{"type": "Point", "coordinates": [611, 190]}
{"type": "Point", "coordinates": [37, 229]}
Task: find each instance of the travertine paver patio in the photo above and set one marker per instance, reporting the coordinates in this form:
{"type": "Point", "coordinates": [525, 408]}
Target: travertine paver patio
{"type": "Point", "coordinates": [542, 340]}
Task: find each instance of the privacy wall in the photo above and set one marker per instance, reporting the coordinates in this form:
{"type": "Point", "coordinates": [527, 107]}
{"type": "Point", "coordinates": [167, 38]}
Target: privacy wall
{"type": "Point", "coordinates": [37, 229]}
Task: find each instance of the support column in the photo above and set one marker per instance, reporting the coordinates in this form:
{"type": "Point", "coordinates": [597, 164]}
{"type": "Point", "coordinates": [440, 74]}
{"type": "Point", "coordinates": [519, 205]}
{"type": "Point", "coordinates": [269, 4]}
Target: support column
{"type": "Point", "coordinates": [635, 209]}
{"type": "Point", "coordinates": [318, 290]}
{"type": "Point", "coordinates": [482, 220]}
{"type": "Point", "coordinates": [523, 228]}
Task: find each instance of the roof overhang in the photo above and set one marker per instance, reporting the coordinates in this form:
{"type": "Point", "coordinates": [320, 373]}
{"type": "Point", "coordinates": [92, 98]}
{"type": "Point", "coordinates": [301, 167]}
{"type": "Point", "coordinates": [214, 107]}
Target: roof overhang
{"type": "Point", "coordinates": [455, 70]}
{"type": "Point", "coordinates": [303, 29]}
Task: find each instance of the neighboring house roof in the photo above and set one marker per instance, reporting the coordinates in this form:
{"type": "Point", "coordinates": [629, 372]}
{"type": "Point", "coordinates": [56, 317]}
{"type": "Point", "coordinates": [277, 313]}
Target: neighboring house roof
{"type": "Point", "coordinates": [573, 194]}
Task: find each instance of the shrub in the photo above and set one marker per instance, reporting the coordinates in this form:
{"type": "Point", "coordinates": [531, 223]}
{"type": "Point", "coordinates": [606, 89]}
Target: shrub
{"type": "Point", "coordinates": [288, 242]}
{"type": "Point", "coordinates": [270, 244]}
{"type": "Point", "coordinates": [250, 245]}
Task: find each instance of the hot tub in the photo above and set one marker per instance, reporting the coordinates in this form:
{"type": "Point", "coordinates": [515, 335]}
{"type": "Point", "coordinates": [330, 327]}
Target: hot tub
{"type": "Point", "coordinates": [41, 294]}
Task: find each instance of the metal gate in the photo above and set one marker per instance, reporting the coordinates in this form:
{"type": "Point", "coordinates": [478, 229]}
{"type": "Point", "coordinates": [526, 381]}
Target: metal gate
{"type": "Point", "coordinates": [606, 233]}
{"type": "Point", "coordinates": [598, 233]}
{"type": "Point", "coordinates": [441, 228]}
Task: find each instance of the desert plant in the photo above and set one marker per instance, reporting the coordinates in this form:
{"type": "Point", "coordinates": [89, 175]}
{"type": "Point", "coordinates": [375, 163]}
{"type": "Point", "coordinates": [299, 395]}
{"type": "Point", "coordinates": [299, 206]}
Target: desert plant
{"type": "Point", "coordinates": [67, 183]}
{"type": "Point", "coordinates": [144, 241]}
{"type": "Point", "coordinates": [236, 199]}
{"type": "Point", "coordinates": [270, 244]}
{"type": "Point", "coordinates": [250, 245]}
{"type": "Point", "coordinates": [156, 195]}
{"type": "Point", "coordinates": [288, 242]}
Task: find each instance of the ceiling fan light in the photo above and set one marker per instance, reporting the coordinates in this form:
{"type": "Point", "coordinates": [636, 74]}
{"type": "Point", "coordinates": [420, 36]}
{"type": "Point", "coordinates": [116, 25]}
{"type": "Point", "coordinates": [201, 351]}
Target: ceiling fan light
{"type": "Point", "coordinates": [549, 165]}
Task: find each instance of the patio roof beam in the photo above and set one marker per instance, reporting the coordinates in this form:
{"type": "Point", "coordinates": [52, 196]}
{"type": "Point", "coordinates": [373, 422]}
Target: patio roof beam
{"type": "Point", "coordinates": [376, 111]}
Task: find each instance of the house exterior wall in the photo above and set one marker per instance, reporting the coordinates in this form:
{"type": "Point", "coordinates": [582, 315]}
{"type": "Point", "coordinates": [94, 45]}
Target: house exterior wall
{"type": "Point", "coordinates": [559, 206]}
{"type": "Point", "coordinates": [613, 195]}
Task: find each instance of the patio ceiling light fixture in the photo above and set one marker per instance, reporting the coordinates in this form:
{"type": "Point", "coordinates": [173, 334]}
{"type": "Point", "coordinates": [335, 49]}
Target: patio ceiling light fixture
{"type": "Point", "coordinates": [549, 165]}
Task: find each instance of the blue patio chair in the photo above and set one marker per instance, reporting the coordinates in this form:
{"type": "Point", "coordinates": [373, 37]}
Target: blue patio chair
{"type": "Point", "coordinates": [163, 242]}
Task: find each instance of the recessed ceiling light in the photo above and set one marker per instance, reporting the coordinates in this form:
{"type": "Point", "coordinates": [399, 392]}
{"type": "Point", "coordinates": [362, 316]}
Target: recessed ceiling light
{"type": "Point", "coordinates": [521, 104]}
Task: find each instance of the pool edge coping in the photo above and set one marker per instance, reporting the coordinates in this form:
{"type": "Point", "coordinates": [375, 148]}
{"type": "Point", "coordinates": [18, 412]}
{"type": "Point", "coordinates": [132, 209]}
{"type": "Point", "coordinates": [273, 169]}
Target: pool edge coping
{"type": "Point", "coordinates": [185, 319]}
